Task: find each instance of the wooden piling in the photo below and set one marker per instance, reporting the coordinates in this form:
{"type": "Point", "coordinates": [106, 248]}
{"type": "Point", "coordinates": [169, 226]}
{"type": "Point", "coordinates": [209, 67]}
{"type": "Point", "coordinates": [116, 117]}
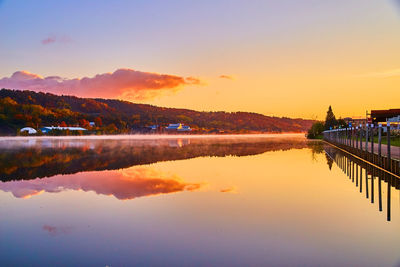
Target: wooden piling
{"type": "Point", "coordinates": [366, 138]}
{"type": "Point", "coordinates": [389, 159]}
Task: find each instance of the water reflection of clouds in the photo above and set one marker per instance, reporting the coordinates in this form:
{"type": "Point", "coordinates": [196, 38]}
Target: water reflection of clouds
{"type": "Point", "coordinates": [123, 184]}
{"type": "Point", "coordinates": [231, 189]}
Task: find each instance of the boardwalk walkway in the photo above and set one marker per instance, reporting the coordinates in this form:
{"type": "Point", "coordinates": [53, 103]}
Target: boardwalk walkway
{"type": "Point", "coordinates": [394, 150]}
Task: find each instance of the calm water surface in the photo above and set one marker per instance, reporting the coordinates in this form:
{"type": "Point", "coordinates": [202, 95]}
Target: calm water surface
{"type": "Point", "coordinates": [193, 201]}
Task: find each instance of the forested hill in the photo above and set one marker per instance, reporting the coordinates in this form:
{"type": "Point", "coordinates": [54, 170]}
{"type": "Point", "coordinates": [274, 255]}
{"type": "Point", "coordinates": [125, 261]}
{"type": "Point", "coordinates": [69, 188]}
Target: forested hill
{"type": "Point", "coordinates": [27, 108]}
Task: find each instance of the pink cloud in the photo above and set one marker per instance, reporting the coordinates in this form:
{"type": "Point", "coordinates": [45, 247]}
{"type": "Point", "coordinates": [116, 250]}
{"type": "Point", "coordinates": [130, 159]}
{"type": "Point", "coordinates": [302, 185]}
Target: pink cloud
{"type": "Point", "coordinates": [48, 40]}
{"type": "Point", "coordinates": [53, 230]}
{"type": "Point", "coordinates": [231, 189]}
{"type": "Point", "coordinates": [123, 83]}
{"type": "Point", "coordinates": [52, 39]}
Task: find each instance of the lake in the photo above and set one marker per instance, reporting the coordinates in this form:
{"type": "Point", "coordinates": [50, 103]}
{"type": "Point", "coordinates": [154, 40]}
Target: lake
{"type": "Point", "coordinates": [270, 200]}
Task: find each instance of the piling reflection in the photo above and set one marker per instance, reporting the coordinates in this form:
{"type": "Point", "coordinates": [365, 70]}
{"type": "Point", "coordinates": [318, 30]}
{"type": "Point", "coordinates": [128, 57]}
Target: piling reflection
{"type": "Point", "coordinates": [365, 176]}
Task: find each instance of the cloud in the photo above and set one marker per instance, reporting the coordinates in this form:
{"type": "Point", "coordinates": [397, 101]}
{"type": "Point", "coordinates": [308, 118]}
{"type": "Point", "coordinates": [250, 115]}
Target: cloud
{"type": "Point", "coordinates": [383, 74]}
{"type": "Point", "coordinates": [127, 84]}
{"type": "Point", "coordinates": [53, 38]}
{"type": "Point", "coordinates": [231, 189]}
{"type": "Point", "coordinates": [53, 230]}
{"type": "Point", "coordinates": [48, 40]}
{"type": "Point", "coordinates": [226, 77]}
{"type": "Point", "coordinates": [123, 184]}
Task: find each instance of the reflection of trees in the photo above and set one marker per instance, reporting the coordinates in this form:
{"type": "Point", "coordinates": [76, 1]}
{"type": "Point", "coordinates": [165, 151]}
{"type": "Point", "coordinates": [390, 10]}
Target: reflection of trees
{"type": "Point", "coordinates": [66, 157]}
{"type": "Point", "coordinates": [317, 147]}
{"type": "Point", "coordinates": [329, 161]}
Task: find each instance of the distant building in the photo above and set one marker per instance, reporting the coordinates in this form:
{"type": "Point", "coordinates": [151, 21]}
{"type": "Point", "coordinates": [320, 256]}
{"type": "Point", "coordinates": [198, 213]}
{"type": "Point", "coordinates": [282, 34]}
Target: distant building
{"type": "Point", "coordinates": [385, 115]}
{"type": "Point", "coordinates": [356, 121]}
{"type": "Point", "coordinates": [185, 128]}
{"type": "Point", "coordinates": [50, 128]}
{"type": "Point", "coordinates": [395, 119]}
{"type": "Point", "coordinates": [29, 130]}
{"type": "Point", "coordinates": [153, 127]}
{"type": "Point", "coordinates": [179, 127]}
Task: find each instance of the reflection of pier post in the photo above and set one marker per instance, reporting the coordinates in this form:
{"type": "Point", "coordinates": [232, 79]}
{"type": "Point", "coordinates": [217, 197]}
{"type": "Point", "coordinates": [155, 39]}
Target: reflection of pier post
{"type": "Point", "coordinates": [366, 181]}
{"type": "Point", "coordinates": [356, 175]}
{"type": "Point", "coordinates": [389, 189]}
{"type": "Point", "coordinates": [361, 171]}
{"type": "Point", "coordinates": [352, 171]}
{"type": "Point", "coordinates": [372, 184]}
{"type": "Point", "coordinates": [380, 190]}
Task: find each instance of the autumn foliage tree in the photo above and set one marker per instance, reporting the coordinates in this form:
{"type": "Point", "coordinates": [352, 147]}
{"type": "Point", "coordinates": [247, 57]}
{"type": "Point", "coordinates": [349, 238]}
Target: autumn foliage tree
{"type": "Point", "coordinates": [84, 123]}
{"type": "Point", "coordinates": [45, 109]}
{"type": "Point", "coordinates": [98, 121]}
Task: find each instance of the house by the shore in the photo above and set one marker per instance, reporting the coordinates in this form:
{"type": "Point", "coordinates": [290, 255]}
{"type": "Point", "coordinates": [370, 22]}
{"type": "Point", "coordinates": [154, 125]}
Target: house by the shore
{"type": "Point", "coordinates": [51, 128]}
{"type": "Point", "coordinates": [178, 127]}
{"type": "Point", "coordinates": [28, 130]}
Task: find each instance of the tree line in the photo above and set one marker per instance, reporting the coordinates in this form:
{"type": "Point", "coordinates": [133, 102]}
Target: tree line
{"type": "Point", "coordinates": [315, 132]}
{"type": "Point", "coordinates": [19, 109]}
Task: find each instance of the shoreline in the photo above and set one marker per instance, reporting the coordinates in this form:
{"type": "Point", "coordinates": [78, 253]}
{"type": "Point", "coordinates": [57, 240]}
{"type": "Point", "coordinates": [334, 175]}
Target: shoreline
{"type": "Point", "coordinates": [153, 136]}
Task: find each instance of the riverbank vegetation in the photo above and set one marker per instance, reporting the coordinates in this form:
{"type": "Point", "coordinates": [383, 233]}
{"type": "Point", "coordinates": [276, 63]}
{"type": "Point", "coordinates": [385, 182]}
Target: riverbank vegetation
{"type": "Point", "coordinates": [20, 109]}
{"type": "Point", "coordinates": [315, 132]}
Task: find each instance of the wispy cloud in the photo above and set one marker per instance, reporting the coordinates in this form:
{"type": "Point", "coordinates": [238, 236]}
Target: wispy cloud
{"type": "Point", "coordinates": [226, 77]}
{"type": "Point", "coordinates": [231, 189]}
{"type": "Point", "coordinates": [53, 230]}
{"type": "Point", "coordinates": [53, 38]}
{"type": "Point", "coordinates": [48, 40]}
{"type": "Point", "coordinates": [382, 74]}
{"type": "Point", "coordinates": [123, 83]}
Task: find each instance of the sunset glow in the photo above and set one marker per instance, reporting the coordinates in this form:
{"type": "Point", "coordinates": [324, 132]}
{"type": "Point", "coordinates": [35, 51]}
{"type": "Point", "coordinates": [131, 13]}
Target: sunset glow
{"type": "Point", "coordinates": [283, 58]}
{"type": "Point", "coordinates": [200, 133]}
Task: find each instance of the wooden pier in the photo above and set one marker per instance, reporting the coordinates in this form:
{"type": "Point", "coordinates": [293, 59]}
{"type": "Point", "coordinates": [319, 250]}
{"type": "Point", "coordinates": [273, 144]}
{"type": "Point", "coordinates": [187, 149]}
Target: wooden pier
{"type": "Point", "coordinates": [359, 142]}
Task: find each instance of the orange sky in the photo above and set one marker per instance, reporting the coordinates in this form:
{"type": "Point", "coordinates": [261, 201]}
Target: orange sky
{"type": "Point", "coordinates": [282, 58]}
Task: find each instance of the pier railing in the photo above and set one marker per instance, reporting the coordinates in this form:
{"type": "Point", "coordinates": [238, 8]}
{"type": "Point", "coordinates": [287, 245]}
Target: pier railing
{"type": "Point", "coordinates": [366, 142]}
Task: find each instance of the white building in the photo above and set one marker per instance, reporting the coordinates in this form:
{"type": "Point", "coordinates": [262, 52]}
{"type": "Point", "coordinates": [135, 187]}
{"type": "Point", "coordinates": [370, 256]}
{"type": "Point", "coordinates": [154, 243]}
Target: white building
{"type": "Point", "coordinates": [50, 128]}
{"type": "Point", "coordinates": [30, 130]}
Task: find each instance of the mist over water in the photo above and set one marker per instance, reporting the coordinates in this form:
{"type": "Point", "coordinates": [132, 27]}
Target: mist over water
{"type": "Point", "coordinates": [155, 136]}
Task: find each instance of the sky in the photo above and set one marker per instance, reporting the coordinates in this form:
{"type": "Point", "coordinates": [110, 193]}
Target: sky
{"type": "Point", "coordinates": [289, 58]}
